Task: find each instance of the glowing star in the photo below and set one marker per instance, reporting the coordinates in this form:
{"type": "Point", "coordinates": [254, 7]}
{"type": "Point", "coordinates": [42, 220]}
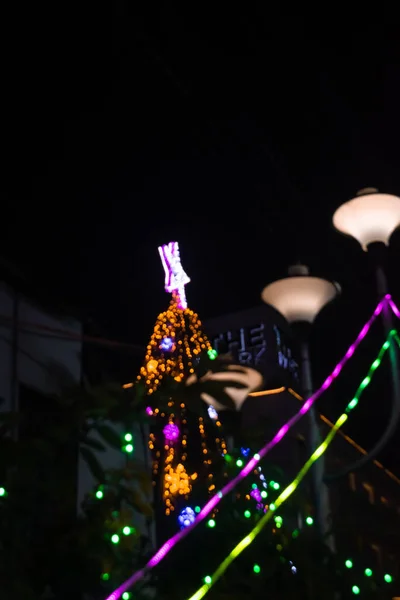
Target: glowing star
{"type": "Point", "coordinates": [175, 276]}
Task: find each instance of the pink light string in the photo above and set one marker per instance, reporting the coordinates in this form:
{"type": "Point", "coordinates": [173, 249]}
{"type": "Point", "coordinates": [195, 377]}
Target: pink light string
{"type": "Point", "coordinates": [212, 503]}
{"type": "Point", "coordinates": [392, 305]}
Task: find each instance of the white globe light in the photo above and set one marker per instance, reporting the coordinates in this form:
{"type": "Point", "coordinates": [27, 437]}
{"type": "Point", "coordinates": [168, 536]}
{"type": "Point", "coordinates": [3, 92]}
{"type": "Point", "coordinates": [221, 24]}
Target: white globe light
{"type": "Point", "coordinates": [369, 217]}
{"type": "Point", "coordinates": [300, 298]}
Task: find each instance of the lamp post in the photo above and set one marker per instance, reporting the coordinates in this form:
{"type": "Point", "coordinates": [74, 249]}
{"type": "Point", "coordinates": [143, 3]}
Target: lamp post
{"type": "Point", "coordinates": [300, 298]}
{"type": "Point", "coordinates": [371, 218]}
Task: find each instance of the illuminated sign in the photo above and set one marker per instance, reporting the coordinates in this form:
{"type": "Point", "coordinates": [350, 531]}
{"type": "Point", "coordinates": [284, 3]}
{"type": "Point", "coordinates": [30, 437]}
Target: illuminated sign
{"type": "Point", "coordinates": [251, 347]}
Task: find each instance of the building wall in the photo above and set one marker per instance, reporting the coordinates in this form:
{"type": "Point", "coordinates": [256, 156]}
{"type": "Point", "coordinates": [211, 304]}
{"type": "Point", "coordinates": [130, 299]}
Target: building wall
{"type": "Point", "coordinates": [256, 337]}
{"type": "Point", "coordinates": [365, 509]}
{"type": "Point", "coordinates": [40, 354]}
{"type": "Point", "coordinates": [43, 358]}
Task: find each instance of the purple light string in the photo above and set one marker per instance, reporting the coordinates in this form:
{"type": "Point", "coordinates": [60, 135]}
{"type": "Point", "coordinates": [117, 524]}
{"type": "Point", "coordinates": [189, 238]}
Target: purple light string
{"type": "Point", "coordinates": [211, 504]}
{"type": "Point", "coordinates": [392, 305]}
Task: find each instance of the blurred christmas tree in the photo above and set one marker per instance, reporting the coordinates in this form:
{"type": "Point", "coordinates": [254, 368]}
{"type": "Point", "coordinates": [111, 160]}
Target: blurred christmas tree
{"type": "Point", "coordinates": [196, 451]}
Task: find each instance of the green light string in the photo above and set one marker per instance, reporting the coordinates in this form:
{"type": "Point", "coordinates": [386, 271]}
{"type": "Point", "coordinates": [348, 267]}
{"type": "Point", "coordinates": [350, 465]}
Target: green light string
{"type": "Point", "coordinates": [288, 491]}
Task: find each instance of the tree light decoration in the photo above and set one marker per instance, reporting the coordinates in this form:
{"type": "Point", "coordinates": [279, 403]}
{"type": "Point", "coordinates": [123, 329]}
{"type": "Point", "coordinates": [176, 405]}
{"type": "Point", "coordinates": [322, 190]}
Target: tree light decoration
{"type": "Point", "coordinates": [176, 342]}
{"type": "Point", "coordinates": [248, 468]}
{"type": "Point", "coordinates": [175, 276]}
{"type": "Point", "coordinates": [171, 432]}
{"type": "Point", "coordinates": [290, 489]}
{"type": "Point", "coordinates": [167, 344]}
{"type": "Point", "coordinates": [212, 413]}
{"type": "Point", "coordinates": [212, 354]}
{"type": "Point", "coordinates": [177, 481]}
{"type": "Point", "coordinates": [184, 326]}
{"type": "Point", "coordinates": [177, 337]}
{"type": "Point", "coordinates": [186, 516]}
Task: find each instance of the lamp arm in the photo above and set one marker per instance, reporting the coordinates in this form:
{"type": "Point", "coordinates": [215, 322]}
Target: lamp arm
{"type": "Point", "coordinates": [395, 412]}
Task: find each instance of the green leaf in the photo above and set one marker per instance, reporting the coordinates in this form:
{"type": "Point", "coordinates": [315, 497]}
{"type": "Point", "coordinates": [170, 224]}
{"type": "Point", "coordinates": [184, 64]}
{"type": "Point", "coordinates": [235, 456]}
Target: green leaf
{"type": "Point", "coordinates": [94, 466]}
{"type": "Point", "coordinates": [92, 443]}
{"type": "Point", "coordinates": [109, 435]}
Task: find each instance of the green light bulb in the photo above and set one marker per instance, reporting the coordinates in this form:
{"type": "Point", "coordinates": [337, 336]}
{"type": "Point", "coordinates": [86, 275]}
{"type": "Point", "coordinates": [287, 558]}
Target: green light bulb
{"type": "Point", "coordinates": [127, 530]}
{"type": "Point", "coordinates": [239, 462]}
{"type": "Point", "coordinates": [368, 572]}
{"type": "Point", "coordinates": [129, 448]}
{"type": "Point", "coordinates": [264, 494]}
{"type": "Point", "coordinates": [355, 589]}
{"type": "Point", "coordinates": [128, 437]}
{"type": "Point", "coordinates": [365, 382]}
{"type": "Point", "coordinates": [352, 404]}
{"type": "Point", "coordinates": [309, 520]}
{"type": "Point", "coordinates": [105, 576]}
{"type": "Point", "coordinates": [348, 564]}
{"type": "Point", "coordinates": [247, 514]}
{"type": "Point", "coordinates": [388, 578]}
{"type": "Point", "coordinates": [211, 523]}
{"type": "Point", "coordinates": [126, 596]}
{"type": "Point", "coordinates": [197, 509]}
{"type": "Point", "coordinates": [99, 494]}
{"type": "Point", "coordinates": [115, 538]}
{"type": "Point", "coordinates": [207, 580]}
{"type": "Point", "coordinates": [2, 492]}
{"type": "Point", "coordinates": [256, 568]}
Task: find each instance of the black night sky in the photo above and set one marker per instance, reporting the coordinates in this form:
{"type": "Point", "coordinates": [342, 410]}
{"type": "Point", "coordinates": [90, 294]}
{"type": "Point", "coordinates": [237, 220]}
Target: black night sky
{"type": "Point", "coordinates": [235, 132]}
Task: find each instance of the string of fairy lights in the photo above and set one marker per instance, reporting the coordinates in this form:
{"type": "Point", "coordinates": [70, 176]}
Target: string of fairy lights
{"type": "Point", "coordinates": [253, 462]}
{"type": "Point", "coordinates": [176, 343]}
{"type": "Point", "coordinates": [174, 347]}
{"type": "Point", "coordinates": [209, 581]}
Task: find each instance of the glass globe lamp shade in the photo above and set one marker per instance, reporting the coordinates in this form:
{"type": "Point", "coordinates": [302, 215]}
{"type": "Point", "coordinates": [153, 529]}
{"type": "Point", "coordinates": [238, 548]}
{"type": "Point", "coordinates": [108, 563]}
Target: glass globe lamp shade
{"type": "Point", "coordinates": [300, 298]}
{"type": "Point", "coordinates": [369, 217]}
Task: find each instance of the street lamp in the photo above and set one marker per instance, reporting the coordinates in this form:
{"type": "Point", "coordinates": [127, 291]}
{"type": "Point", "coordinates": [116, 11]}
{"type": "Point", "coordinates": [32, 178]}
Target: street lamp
{"type": "Point", "coordinates": [371, 218]}
{"type": "Point", "coordinates": [300, 298]}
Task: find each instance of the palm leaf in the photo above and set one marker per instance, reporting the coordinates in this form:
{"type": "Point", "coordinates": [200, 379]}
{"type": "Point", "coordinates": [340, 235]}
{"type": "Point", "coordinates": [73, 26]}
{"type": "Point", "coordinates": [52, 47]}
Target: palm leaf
{"type": "Point", "coordinates": [109, 435]}
{"type": "Point", "coordinates": [92, 443]}
{"type": "Point", "coordinates": [94, 466]}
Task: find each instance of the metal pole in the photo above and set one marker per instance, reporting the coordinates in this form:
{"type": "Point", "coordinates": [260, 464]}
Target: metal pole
{"type": "Point", "coordinates": [319, 489]}
{"type": "Point", "coordinates": [14, 383]}
{"type": "Point", "coordinates": [387, 319]}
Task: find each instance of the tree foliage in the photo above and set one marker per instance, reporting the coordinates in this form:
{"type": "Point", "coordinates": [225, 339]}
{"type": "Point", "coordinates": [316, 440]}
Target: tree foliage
{"type": "Point", "coordinates": [45, 546]}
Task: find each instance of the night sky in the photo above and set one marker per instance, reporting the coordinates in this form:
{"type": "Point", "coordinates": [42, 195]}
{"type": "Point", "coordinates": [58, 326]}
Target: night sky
{"type": "Point", "coordinates": [236, 133]}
